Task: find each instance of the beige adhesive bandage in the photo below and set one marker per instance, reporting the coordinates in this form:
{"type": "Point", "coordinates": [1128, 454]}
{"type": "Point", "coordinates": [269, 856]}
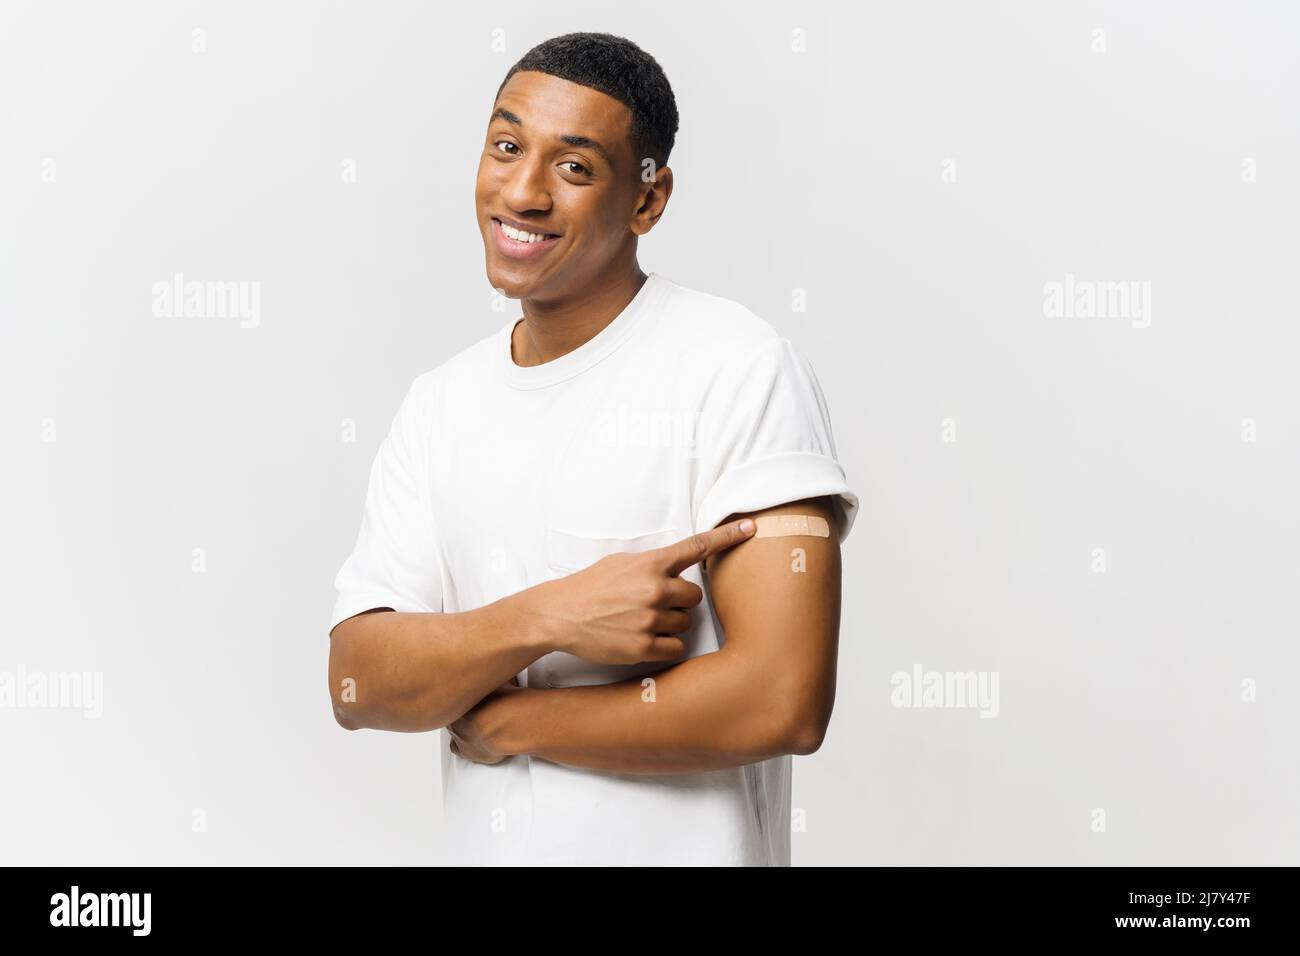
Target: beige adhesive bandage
{"type": "Point", "coordinates": [780, 526]}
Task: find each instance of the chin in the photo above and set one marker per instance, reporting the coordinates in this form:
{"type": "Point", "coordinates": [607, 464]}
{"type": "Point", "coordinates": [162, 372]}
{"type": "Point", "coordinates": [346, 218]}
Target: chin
{"type": "Point", "coordinates": [507, 284]}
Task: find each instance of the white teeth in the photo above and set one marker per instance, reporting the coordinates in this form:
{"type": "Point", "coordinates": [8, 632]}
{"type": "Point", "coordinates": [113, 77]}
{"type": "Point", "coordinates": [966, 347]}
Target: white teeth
{"type": "Point", "coordinates": [519, 235]}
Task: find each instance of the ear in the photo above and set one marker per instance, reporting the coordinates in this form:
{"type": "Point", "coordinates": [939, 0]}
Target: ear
{"type": "Point", "coordinates": [653, 198]}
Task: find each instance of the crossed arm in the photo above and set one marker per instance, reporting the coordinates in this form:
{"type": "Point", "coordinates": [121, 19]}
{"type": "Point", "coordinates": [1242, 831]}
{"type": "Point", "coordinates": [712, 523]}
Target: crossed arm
{"type": "Point", "coordinates": [769, 691]}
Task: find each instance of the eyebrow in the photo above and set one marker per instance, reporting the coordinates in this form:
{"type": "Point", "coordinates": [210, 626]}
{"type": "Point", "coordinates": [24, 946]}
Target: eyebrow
{"type": "Point", "coordinates": [571, 139]}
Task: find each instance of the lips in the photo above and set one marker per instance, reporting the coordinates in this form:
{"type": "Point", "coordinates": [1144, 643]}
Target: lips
{"type": "Point", "coordinates": [515, 249]}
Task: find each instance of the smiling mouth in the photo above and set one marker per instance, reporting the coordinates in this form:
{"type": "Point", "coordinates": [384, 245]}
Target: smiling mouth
{"type": "Point", "coordinates": [522, 235]}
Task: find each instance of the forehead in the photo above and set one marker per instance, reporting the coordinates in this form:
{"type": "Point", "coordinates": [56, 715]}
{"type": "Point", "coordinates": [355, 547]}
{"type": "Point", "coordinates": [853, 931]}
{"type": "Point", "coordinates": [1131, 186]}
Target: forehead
{"type": "Point", "coordinates": [551, 106]}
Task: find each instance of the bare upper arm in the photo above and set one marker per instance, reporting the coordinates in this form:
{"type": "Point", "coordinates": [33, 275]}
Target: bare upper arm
{"type": "Point", "coordinates": [778, 599]}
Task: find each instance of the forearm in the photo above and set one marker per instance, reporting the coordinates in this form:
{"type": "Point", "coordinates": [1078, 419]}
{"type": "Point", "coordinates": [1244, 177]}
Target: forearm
{"type": "Point", "coordinates": [710, 712]}
{"type": "Point", "coordinates": [414, 672]}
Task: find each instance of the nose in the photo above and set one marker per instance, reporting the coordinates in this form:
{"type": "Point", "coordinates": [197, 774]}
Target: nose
{"type": "Point", "coordinates": [524, 188]}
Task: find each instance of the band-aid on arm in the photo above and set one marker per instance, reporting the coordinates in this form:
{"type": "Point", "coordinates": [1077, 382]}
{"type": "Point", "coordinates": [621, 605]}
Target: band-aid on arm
{"type": "Point", "coordinates": [781, 526]}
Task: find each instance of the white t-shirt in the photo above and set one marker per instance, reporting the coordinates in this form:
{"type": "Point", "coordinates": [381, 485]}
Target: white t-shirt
{"type": "Point", "coordinates": [685, 409]}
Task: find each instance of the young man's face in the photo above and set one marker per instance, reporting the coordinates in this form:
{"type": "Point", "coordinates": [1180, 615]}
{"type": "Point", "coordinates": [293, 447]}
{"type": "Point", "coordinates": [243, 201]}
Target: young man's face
{"type": "Point", "coordinates": [587, 195]}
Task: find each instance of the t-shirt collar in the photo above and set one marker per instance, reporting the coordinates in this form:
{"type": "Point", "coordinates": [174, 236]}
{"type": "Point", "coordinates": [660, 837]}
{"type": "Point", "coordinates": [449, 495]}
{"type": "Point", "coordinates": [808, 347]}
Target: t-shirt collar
{"type": "Point", "coordinates": [598, 347]}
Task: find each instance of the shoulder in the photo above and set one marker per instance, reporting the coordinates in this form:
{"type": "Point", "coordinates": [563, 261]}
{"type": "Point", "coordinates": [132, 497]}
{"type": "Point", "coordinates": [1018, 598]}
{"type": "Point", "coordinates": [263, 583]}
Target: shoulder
{"type": "Point", "coordinates": [713, 325]}
{"type": "Point", "coordinates": [711, 339]}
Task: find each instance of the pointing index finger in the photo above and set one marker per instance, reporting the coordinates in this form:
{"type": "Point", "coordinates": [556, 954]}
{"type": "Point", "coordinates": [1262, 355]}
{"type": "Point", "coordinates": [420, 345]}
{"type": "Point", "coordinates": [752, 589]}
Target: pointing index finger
{"type": "Point", "coordinates": [693, 549]}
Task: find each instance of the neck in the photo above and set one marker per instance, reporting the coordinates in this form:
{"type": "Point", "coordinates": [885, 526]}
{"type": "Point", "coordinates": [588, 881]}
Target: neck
{"type": "Point", "coordinates": [556, 327]}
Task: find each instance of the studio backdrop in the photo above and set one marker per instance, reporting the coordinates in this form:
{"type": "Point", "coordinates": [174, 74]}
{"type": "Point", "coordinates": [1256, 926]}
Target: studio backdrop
{"type": "Point", "coordinates": [1042, 258]}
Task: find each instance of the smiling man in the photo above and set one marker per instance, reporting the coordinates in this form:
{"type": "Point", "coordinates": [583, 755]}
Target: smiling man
{"type": "Point", "coordinates": [600, 547]}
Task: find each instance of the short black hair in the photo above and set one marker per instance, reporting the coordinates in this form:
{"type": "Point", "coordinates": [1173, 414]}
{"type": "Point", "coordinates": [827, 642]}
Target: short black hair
{"type": "Point", "coordinates": [619, 68]}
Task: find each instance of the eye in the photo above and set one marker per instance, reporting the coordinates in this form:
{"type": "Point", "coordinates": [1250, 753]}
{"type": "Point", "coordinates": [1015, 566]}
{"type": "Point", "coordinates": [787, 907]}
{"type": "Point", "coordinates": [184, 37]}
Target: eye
{"type": "Point", "coordinates": [583, 170]}
{"type": "Point", "coordinates": [505, 142]}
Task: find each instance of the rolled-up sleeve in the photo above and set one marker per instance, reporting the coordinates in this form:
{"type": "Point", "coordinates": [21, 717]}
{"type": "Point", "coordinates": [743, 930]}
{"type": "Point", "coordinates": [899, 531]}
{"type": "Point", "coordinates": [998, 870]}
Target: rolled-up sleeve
{"type": "Point", "coordinates": [765, 439]}
{"type": "Point", "coordinates": [394, 563]}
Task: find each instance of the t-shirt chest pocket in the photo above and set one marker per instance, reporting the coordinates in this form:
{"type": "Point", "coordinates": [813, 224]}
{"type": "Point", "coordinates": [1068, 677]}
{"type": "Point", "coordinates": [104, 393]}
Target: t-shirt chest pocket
{"type": "Point", "coordinates": [567, 551]}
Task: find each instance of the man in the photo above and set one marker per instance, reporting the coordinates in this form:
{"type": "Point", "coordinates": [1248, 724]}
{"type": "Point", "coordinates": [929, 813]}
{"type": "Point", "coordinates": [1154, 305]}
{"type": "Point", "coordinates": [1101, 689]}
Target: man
{"type": "Point", "coordinates": [557, 563]}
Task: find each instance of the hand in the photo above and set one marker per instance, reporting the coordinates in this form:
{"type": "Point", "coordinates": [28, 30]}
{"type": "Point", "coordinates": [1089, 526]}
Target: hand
{"type": "Point", "coordinates": [471, 733]}
{"type": "Point", "coordinates": [625, 608]}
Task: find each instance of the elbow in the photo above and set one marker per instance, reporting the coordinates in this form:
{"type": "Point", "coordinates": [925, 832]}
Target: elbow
{"type": "Point", "coordinates": [798, 722]}
{"type": "Point", "coordinates": [343, 690]}
{"type": "Point", "coordinates": [805, 727]}
{"type": "Point", "coordinates": [343, 704]}
{"type": "Point", "coordinates": [805, 737]}
{"type": "Point", "coordinates": [809, 719]}
{"type": "Point", "coordinates": [344, 719]}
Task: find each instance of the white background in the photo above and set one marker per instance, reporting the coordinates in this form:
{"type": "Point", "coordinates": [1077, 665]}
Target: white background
{"type": "Point", "coordinates": [820, 171]}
